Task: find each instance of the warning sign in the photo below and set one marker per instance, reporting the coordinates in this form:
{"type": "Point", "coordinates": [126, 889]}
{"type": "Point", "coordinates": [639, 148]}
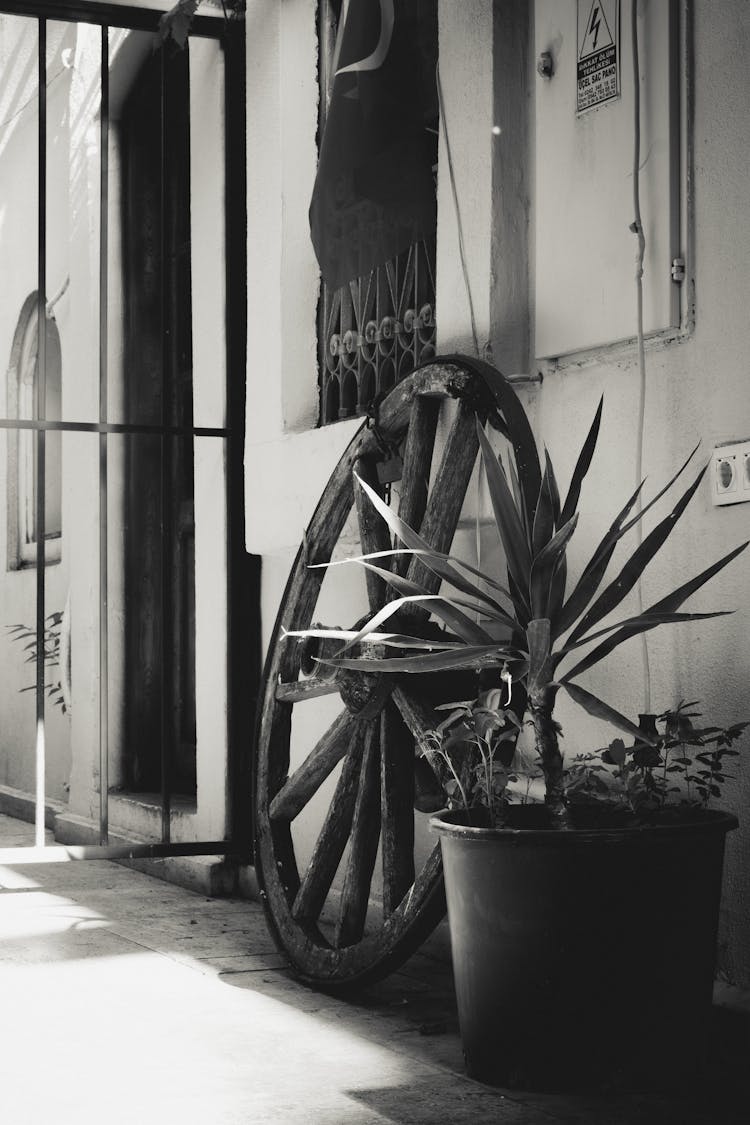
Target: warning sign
{"type": "Point", "coordinates": [598, 66]}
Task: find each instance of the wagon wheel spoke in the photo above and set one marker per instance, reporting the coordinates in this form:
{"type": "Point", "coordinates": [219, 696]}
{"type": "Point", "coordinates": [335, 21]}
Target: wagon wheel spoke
{"type": "Point", "coordinates": [429, 772]}
{"type": "Point", "coordinates": [305, 781]}
{"type": "Point", "coordinates": [299, 690]}
{"type": "Point", "coordinates": [334, 834]}
{"type": "Point", "coordinates": [417, 716]}
{"type": "Point", "coordinates": [448, 492]}
{"type": "Point", "coordinates": [415, 482]}
{"type": "Point", "coordinates": [364, 844]}
{"type": "Point", "coordinates": [373, 531]}
{"type": "Point", "coordinates": [397, 808]}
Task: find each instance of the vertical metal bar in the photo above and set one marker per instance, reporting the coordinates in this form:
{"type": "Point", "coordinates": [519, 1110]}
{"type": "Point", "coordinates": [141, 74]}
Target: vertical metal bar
{"type": "Point", "coordinates": [416, 305]}
{"type": "Point", "coordinates": [103, 406]}
{"type": "Point", "coordinates": [244, 656]}
{"type": "Point", "coordinates": [675, 157]}
{"type": "Point", "coordinates": [166, 456]}
{"type": "Point", "coordinates": [41, 389]}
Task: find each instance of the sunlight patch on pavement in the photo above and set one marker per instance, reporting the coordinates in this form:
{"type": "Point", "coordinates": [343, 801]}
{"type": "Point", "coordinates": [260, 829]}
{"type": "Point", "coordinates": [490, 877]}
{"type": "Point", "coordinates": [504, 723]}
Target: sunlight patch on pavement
{"type": "Point", "coordinates": [130, 1037]}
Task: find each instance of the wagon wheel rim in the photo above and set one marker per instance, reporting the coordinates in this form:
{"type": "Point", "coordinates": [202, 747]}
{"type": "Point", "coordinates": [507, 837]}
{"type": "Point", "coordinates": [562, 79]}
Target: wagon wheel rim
{"type": "Point", "coordinates": [372, 809]}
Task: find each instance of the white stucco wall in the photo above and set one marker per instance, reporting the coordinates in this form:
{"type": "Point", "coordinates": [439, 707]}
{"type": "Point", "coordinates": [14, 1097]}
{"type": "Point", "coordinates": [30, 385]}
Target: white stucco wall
{"type": "Point", "coordinates": [287, 459]}
{"type": "Point", "coordinates": [696, 390]}
{"type": "Point", "coordinates": [696, 384]}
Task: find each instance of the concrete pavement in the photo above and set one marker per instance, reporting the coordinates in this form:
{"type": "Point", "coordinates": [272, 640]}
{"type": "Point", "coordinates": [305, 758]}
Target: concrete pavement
{"type": "Point", "coordinates": [130, 1001]}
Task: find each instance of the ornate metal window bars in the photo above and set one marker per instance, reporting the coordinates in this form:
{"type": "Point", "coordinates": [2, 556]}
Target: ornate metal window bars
{"type": "Point", "coordinates": [373, 331]}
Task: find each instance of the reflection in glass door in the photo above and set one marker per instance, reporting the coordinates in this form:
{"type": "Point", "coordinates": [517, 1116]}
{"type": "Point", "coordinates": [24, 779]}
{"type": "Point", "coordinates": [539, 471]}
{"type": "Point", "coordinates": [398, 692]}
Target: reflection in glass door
{"type": "Point", "coordinates": [115, 438]}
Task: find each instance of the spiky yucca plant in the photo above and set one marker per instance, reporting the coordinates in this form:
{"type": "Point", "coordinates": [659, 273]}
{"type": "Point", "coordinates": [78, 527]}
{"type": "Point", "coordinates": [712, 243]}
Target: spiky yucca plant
{"type": "Point", "coordinates": [531, 623]}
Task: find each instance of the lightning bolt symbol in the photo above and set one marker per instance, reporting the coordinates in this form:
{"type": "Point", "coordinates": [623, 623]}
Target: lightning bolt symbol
{"type": "Point", "coordinates": [594, 25]}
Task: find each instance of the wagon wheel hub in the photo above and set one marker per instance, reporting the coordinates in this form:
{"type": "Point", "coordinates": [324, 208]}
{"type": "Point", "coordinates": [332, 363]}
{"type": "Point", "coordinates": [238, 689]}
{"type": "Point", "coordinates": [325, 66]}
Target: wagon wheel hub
{"type": "Point", "coordinates": [364, 694]}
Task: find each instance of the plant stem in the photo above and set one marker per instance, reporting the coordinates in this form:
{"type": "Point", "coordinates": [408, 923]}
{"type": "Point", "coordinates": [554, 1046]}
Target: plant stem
{"type": "Point", "coordinates": [487, 757]}
{"type": "Point", "coordinates": [541, 704]}
{"type": "Point", "coordinates": [449, 763]}
{"type": "Point", "coordinates": [663, 794]}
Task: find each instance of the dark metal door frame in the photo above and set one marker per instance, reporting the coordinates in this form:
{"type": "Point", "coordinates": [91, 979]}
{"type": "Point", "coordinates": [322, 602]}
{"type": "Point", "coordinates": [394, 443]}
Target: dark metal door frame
{"type": "Point", "coordinates": [243, 645]}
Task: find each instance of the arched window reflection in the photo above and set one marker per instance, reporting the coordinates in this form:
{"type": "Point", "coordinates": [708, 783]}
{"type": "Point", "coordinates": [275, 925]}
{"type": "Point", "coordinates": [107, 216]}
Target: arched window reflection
{"type": "Point", "coordinates": [23, 403]}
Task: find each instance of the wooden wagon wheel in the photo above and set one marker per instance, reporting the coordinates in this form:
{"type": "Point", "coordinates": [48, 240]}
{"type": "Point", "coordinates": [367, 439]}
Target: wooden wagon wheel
{"type": "Point", "coordinates": [327, 935]}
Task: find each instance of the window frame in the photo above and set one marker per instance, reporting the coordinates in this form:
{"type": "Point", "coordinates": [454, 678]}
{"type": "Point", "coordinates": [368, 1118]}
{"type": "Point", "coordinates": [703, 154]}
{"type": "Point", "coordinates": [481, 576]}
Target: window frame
{"type": "Point", "coordinates": [386, 320]}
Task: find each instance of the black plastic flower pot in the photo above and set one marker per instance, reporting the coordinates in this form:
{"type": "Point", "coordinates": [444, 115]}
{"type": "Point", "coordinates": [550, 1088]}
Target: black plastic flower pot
{"type": "Point", "coordinates": [583, 958]}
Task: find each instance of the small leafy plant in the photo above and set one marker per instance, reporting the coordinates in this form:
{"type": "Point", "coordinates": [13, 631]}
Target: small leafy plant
{"type": "Point", "coordinates": [683, 765]}
{"type": "Point", "coordinates": [472, 751]}
{"type": "Point", "coordinates": [27, 635]}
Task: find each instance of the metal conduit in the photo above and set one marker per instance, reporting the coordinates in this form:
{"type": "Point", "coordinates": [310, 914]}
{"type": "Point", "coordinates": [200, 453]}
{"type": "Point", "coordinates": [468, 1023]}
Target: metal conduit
{"type": "Point", "coordinates": [103, 376]}
{"type": "Point", "coordinates": [40, 411]}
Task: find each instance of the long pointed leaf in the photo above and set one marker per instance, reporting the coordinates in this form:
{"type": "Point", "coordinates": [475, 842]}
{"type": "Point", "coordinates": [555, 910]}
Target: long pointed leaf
{"type": "Point", "coordinates": [582, 466]}
{"type": "Point", "coordinates": [602, 710]}
{"type": "Point", "coordinates": [544, 518]}
{"type": "Point", "coordinates": [520, 603]}
{"type": "Point", "coordinates": [457, 580]}
{"type": "Point", "coordinates": [557, 592]}
{"type": "Point", "coordinates": [636, 564]}
{"type": "Point", "coordinates": [593, 574]}
{"type": "Point", "coordinates": [508, 522]}
{"type": "Point", "coordinates": [632, 629]}
{"type": "Point", "coordinates": [394, 640]}
{"type": "Point", "coordinates": [648, 621]}
{"type": "Point", "coordinates": [554, 490]}
{"type": "Point", "coordinates": [483, 576]}
{"type": "Point", "coordinates": [560, 573]}
{"type": "Point", "coordinates": [595, 569]}
{"type": "Point", "coordinates": [518, 496]}
{"type": "Point", "coordinates": [465, 628]}
{"type": "Point", "coordinates": [462, 626]}
{"type": "Point", "coordinates": [668, 605]}
{"type": "Point", "coordinates": [474, 656]}
{"type": "Point", "coordinates": [544, 566]}
{"type": "Point", "coordinates": [406, 586]}
{"type": "Point", "coordinates": [435, 561]}
{"type": "Point", "coordinates": [642, 511]}
{"type": "Point", "coordinates": [672, 601]}
{"type": "Point", "coordinates": [425, 554]}
{"type": "Point", "coordinates": [540, 666]}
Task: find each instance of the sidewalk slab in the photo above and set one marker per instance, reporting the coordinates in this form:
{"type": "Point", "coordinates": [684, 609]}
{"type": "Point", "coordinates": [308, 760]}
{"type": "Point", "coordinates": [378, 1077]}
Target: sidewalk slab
{"type": "Point", "coordinates": [130, 1000]}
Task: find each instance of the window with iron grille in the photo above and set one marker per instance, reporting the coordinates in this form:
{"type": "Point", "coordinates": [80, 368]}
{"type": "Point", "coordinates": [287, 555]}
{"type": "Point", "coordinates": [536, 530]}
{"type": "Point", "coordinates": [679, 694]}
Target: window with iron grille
{"type": "Point", "coordinates": [375, 329]}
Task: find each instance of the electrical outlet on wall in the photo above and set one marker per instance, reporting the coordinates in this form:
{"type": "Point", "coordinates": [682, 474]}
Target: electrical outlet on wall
{"type": "Point", "coordinates": [730, 472]}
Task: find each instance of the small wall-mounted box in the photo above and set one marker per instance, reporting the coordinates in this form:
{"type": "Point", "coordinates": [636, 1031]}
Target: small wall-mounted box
{"type": "Point", "coordinates": [730, 472]}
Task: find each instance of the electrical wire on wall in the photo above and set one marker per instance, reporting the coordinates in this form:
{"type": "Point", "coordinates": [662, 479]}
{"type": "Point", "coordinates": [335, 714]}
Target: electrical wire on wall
{"type": "Point", "coordinates": [467, 284]}
{"type": "Point", "coordinates": [457, 210]}
{"type": "Point", "coordinates": [637, 229]}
